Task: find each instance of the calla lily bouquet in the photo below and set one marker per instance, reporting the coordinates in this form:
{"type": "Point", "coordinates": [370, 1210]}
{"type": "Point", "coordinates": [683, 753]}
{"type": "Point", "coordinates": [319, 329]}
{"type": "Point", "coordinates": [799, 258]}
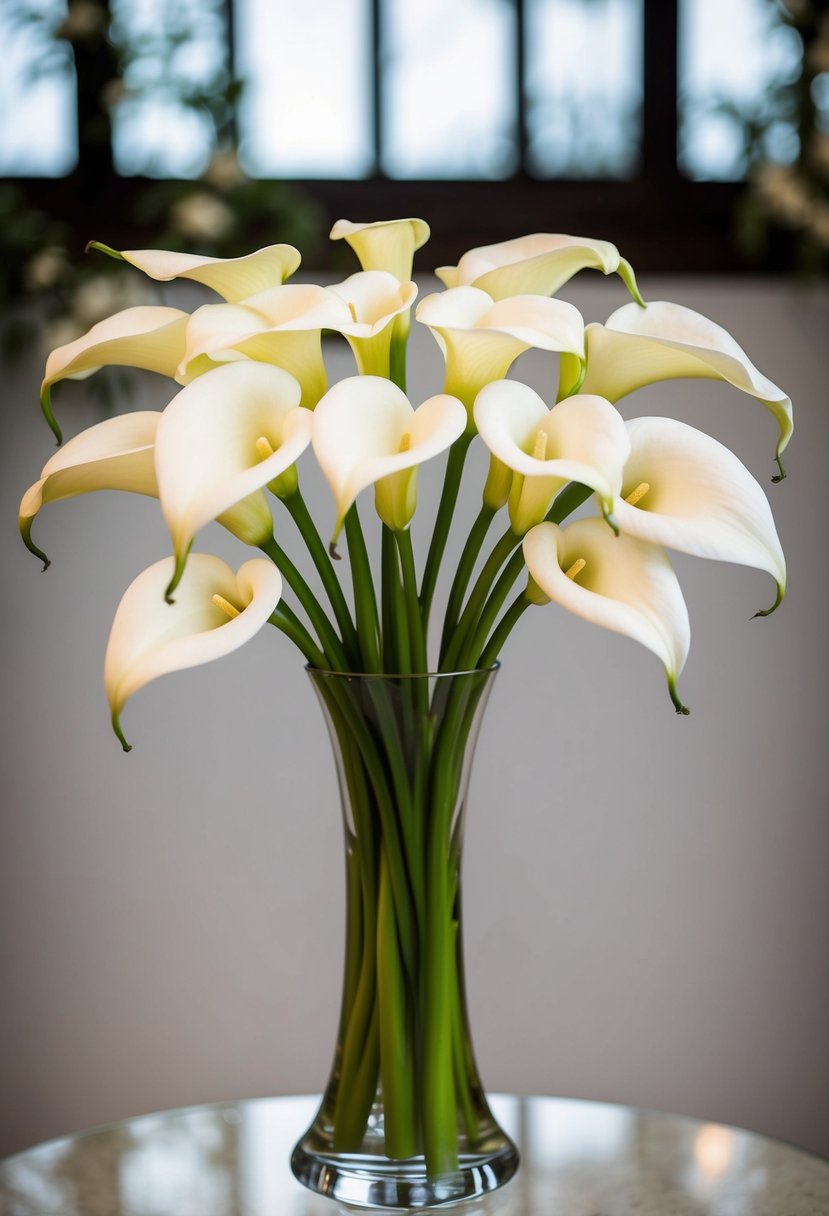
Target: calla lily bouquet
{"type": "Point", "coordinates": [254, 396]}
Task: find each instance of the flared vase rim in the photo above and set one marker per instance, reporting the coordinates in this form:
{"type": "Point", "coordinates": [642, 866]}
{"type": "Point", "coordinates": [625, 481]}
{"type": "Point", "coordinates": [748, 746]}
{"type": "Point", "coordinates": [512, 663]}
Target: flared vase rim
{"type": "Point", "coordinates": [405, 675]}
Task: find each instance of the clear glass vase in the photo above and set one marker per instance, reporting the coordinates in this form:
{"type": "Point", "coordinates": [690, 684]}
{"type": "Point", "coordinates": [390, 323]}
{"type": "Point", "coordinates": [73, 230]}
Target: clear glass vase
{"type": "Point", "coordinates": [404, 1121]}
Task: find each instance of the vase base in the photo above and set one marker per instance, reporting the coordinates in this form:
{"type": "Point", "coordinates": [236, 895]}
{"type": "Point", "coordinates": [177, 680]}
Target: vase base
{"type": "Point", "coordinates": [364, 1180]}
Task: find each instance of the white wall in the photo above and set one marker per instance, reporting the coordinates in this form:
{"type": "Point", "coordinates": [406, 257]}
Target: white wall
{"type": "Point", "coordinates": [646, 896]}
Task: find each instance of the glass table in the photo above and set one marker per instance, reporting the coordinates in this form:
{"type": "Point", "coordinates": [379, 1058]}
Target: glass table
{"type": "Point", "coordinates": [578, 1159]}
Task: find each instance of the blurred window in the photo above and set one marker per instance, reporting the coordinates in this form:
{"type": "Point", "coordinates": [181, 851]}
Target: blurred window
{"type": "Point", "coordinates": [584, 86]}
{"type": "Point", "coordinates": [729, 71]}
{"type": "Point", "coordinates": [38, 127]}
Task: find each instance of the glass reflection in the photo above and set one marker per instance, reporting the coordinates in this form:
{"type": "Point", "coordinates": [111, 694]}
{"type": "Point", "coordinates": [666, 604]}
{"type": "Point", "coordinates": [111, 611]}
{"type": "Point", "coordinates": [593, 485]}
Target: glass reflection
{"type": "Point", "coordinates": [448, 99]}
{"type": "Point", "coordinates": [38, 111]}
{"type": "Point", "coordinates": [584, 87]}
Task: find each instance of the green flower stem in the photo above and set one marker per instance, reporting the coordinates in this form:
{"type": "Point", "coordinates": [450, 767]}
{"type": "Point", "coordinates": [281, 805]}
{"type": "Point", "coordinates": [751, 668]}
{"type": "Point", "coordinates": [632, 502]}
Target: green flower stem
{"type": "Point", "coordinates": [440, 1116]}
{"type": "Point", "coordinates": [502, 631]}
{"type": "Point", "coordinates": [359, 1029]}
{"type": "Point", "coordinates": [466, 565]}
{"type": "Point", "coordinates": [376, 773]}
{"type": "Point", "coordinates": [567, 501]}
{"type": "Point", "coordinates": [321, 558]}
{"type": "Point", "coordinates": [460, 1048]}
{"type": "Point", "coordinates": [286, 620]}
{"type": "Point", "coordinates": [476, 651]}
{"type": "Point", "coordinates": [443, 521]}
{"type": "Point", "coordinates": [397, 351]}
{"type": "Point", "coordinates": [414, 618]}
{"type": "Point", "coordinates": [396, 648]}
{"type": "Point", "coordinates": [471, 653]}
{"type": "Point", "coordinates": [467, 624]}
{"type": "Point", "coordinates": [365, 603]}
{"type": "Point", "coordinates": [335, 657]}
{"type": "Point", "coordinates": [397, 1071]}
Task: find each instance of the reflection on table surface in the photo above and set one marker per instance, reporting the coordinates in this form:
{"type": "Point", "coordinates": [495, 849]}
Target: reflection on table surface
{"type": "Point", "coordinates": [577, 1159]}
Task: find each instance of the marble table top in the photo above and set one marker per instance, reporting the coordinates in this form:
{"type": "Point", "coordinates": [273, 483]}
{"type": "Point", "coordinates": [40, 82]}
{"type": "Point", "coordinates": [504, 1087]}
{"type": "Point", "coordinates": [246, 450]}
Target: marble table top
{"type": "Point", "coordinates": [577, 1159]}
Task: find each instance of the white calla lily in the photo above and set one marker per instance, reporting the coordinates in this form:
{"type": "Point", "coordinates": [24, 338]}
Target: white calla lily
{"type": "Point", "coordinates": [374, 299]}
{"type": "Point", "coordinates": [620, 583]}
{"type": "Point", "coordinates": [385, 244]}
{"type": "Point", "coordinates": [664, 341]}
{"type": "Point", "coordinates": [232, 278]}
{"type": "Point", "coordinates": [216, 612]}
{"type": "Point", "coordinates": [538, 264]}
{"type": "Point", "coordinates": [684, 490]}
{"type": "Point", "coordinates": [581, 439]}
{"type": "Point", "coordinates": [149, 337]}
{"type": "Point", "coordinates": [366, 432]}
{"type": "Point", "coordinates": [220, 441]}
{"type": "Point", "coordinates": [481, 338]}
{"type": "Point", "coordinates": [117, 454]}
{"type": "Point", "coordinates": [281, 326]}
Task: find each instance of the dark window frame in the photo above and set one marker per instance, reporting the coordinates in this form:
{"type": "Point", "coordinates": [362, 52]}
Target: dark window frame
{"type": "Point", "coordinates": [662, 221]}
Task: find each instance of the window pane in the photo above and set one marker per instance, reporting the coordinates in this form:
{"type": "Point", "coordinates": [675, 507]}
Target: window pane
{"type": "Point", "coordinates": [449, 92]}
{"type": "Point", "coordinates": [38, 115]}
{"type": "Point", "coordinates": [729, 55]}
{"type": "Point", "coordinates": [584, 87]}
{"type": "Point", "coordinates": [305, 106]}
{"type": "Point", "coordinates": [174, 76]}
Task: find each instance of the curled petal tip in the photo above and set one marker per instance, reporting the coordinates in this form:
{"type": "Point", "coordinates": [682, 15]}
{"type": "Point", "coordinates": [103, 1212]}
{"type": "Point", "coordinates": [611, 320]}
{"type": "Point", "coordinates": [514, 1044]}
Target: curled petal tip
{"type": "Point", "coordinates": [26, 536]}
{"type": "Point", "coordinates": [181, 562]}
{"type": "Point", "coordinates": [681, 709]}
{"type": "Point", "coordinates": [333, 551]}
{"type": "Point", "coordinates": [781, 475]}
{"type": "Point", "coordinates": [102, 248]}
{"type": "Point", "coordinates": [781, 591]}
{"type": "Point", "coordinates": [46, 408]}
{"type": "Point", "coordinates": [116, 726]}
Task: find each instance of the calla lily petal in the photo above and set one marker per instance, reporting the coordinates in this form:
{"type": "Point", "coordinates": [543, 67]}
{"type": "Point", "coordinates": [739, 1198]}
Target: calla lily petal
{"type": "Point", "coordinates": [148, 337]}
{"type": "Point", "coordinates": [581, 439]}
{"type": "Point", "coordinates": [150, 638]}
{"type": "Point", "coordinates": [220, 441]}
{"type": "Point", "coordinates": [665, 341]}
{"type": "Point", "coordinates": [365, 430]}
{"type": "Point", "coordinates": [621, 583]}
{"type": "Point", "coordinates": [690, 493]}
{"type": "Point", "coordinates": [384, 245]}
{"type": "Point", "coordinates": [535, 265]}
{"type": "Point", "coordinates": [232, 278]}
{"type": "Point", "coordinates": [481, 338]}
{"type": "Point", "coordinates": [280, 326]}
{"type": "Point", "coordinates": [374, 299]}
{"type": "Point", "coordinates": [116, 454]}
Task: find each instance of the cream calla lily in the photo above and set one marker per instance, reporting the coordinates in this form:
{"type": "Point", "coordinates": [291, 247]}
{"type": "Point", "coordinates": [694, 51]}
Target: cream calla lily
{"type": "Point", "coordinates": [535, 265]}
{"type": "Point", "coordinates": [216, 612]}
{"type": "Point", "coordinates": [581, 439]}
{"type": "Point", "coordinates": [232, 278]}
{"type": "Point", "coordinates": [374, 299]}
{"type": "Point", "coordinates": [365, 432]}
{"type": "Point", "coordinates": [664, 341]}
{"type": "Point", "coordinates": [481, 338]}
{"type": "Point", "coordinates": [621, 583]}
{"type": "Point", "coordinates": [147, 337]}
{"type": "Point", "coordinates": [281, 326]}
{"type": "Point", "coordinates": [117, 454]}
{"type": "Point", "coordinates": [384, 245]}
{"type": "Point", "coordinates": [220, 441]}
{"type": "Point", "coordinates": [684, 490]}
